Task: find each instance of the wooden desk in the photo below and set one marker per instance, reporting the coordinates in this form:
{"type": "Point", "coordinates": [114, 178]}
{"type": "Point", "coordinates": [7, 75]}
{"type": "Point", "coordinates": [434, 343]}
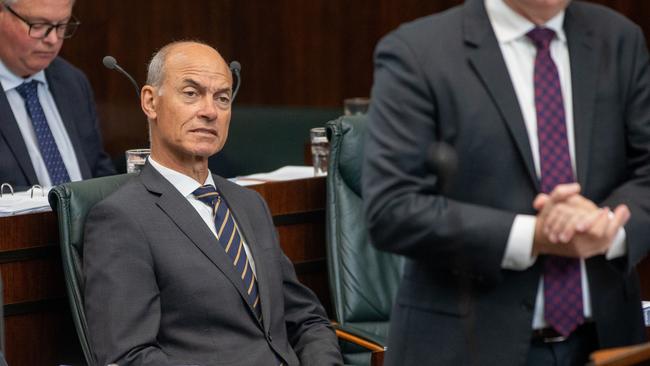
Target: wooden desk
{"type": "Point", "coordinates": [38, 325]}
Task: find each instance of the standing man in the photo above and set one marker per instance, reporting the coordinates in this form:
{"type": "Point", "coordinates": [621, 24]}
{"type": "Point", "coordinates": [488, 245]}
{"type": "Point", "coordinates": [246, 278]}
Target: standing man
{"type": "Point", "coordinates": [49, 132]}
{"type": "Point", "coordinates": [183, 267]}
{"type": "Point", "coordinates": [533, 95]}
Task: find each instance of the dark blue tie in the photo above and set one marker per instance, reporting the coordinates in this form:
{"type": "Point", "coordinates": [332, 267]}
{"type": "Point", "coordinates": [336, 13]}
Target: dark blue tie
{"type": "Point", "coordinates": [231, 240]}
{"type": "Point", "coordinates": [46, 144]}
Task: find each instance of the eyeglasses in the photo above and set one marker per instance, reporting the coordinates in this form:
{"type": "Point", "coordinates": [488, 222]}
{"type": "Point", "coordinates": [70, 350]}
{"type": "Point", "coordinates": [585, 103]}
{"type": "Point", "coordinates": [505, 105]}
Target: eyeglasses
{"type": "Point", "coordinates": [42, 30]}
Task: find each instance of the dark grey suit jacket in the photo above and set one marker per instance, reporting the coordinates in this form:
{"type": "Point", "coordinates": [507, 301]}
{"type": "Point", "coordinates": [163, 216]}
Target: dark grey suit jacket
{"type": "Point", "coordinates": [76, 104]}
{"type": "Point", "coordinates": [160, 290]}
{"type": "Point", "coordinates": [443, 78]}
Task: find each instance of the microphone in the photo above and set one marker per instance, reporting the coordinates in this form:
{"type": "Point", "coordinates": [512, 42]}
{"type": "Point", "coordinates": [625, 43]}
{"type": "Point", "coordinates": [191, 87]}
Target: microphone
{"type": "Point", "coordinates": [235, 68]}
{"type": "Point", "coordinates": [111, 63]}
{"type": "Point", "coordinates": [444, 161]}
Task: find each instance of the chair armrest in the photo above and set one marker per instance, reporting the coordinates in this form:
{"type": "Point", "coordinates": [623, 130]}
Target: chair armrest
{"type": "Point", "coordinates": [362, 339]}
{"type": "Point", "coordinates": [621, 356]}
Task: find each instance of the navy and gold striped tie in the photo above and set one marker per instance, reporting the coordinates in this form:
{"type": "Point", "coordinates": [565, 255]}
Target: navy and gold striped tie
{"type": "Point", "coordinates": [231, 240]}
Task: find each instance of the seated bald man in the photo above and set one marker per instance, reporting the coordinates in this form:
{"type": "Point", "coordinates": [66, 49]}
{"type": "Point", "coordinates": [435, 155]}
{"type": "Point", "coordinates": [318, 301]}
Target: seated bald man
{"type": "Point", "coordinates": [183, 267]}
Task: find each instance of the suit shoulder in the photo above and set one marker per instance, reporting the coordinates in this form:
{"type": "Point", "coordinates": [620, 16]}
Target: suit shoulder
{"type": "Point", "coordinates": [127, 195]}
{"type": "Point", "coordinates": [62, 67]}
{"type": "Point", "coordinates": [601, 17]}
{"type": "Point", "coordinates": [427, 32]}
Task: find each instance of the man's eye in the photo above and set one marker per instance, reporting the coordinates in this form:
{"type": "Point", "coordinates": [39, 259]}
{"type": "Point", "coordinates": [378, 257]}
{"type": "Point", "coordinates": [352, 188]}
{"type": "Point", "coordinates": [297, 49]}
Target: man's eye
{"type": "Point", "coordinates": [190, 93]}
{"type": "Point", "coordinates": [39, 26]}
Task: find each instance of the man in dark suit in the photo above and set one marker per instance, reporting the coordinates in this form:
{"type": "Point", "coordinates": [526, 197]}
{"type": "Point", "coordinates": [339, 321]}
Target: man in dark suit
{"type": "Point", "coordinates": [183, 267]}
{"type": "Point", "coordinates": [49, 132]}
{"type": "Point", "coordinates": [533, 96]}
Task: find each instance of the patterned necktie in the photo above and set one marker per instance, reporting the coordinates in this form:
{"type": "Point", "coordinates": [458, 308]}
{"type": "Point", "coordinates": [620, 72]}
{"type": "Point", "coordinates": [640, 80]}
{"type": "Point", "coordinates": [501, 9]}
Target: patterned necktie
{"type": "Point", "coordinates": [230, 239]}
{"type": "Point", "coordinates": [46, 144]}
{"type": "Point", "coordinates": [563, 308]}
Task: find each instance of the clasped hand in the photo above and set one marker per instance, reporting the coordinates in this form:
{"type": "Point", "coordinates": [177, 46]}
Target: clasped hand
{"type": "Point", "coordinates": [570, 225]}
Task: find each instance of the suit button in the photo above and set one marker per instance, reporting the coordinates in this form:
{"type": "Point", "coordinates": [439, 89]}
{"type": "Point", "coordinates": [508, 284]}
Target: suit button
{"type": "Point", "coordinates": [527, 305]}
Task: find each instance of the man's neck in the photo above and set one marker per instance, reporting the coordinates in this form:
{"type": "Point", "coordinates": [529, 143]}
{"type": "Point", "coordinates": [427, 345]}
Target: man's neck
{"type": "Point", "coordinates": [538, 15]}
{"type": "Point", "coordinates": [195, 168]}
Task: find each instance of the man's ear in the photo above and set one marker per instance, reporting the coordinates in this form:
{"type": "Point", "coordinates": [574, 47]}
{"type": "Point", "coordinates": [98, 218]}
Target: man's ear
{"type": "Point", "coordinates": [148, 101]}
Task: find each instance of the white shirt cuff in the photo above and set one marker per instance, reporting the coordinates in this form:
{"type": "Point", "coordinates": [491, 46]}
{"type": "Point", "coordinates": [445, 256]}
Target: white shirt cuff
{"type": "Point", "coordinates": [520, 244]}
{"type": "Point", "coordinates": [618, 248]}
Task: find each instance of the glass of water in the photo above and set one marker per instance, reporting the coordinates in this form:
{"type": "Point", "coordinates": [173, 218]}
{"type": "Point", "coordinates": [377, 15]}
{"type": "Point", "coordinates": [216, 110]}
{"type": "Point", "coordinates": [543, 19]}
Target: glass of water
{"type": "Point", "coordinates": [135, 159]}
{"type": "Point", "coordinates": [320, 150]}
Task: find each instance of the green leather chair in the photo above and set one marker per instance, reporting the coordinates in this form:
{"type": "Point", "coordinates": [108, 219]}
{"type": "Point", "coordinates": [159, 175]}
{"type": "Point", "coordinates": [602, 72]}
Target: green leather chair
{"type": "Point", "coordinates": [363, 281]}
{"type": "Point", "coordinates": [71, 202]}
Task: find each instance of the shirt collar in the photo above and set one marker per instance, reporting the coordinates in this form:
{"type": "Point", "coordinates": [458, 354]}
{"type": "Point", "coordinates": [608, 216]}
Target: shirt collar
{"type": "Point", "coordinates": [183, 183]}
{"type": "Point", "coordinates": [510, 26]}
{"type": "Point", "coordinates": [11, 81]}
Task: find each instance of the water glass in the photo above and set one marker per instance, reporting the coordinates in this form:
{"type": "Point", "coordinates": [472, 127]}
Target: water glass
{"type": "Point", "coordinates": [135, 159]}
{"type": "Point", "coordinates": [320, 150]}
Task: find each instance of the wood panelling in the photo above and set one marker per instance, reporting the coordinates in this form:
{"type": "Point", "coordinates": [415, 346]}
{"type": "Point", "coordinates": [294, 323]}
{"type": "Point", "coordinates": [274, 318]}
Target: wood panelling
{"type": "Point", "coordinates": [293, 52]}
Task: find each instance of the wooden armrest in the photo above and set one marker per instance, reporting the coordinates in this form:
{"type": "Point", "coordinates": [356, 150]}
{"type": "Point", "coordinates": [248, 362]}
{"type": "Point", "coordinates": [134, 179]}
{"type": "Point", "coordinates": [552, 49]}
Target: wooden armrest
{"type": "Point", "coordinates": [622, 356]}
{"type": "Point", "coordinates": [377, 350]}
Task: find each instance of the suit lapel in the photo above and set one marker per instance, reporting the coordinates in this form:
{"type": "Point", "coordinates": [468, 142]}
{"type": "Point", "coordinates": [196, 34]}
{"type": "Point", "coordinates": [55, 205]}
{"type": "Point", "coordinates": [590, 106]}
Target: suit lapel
{"type": "Point", "coordinates": [62, 97]}
{"type": "Point", "coordinates": [9, 129]}
{"type": "Point", "coordinates": [584, 82]}
{"type": "Point", "coordinates": [247, 232]}
{"type": "Point", "coordinates": [190, 223]}
{"type": "Point", "coordinates": [487, 61]}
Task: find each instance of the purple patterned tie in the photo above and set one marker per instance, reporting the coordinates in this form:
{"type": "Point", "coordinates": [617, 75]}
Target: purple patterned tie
{"type": "Point", "coordinates": [46, 144]}
{"type": "Point", "coordinates": [563, 308]}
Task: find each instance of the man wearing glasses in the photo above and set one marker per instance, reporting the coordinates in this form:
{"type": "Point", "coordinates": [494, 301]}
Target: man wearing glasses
{"type": "Point", "coordinates": [49, 132]}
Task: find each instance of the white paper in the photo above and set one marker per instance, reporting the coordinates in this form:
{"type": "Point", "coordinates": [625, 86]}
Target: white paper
{"type": "Point", "coordinates": [23, 203]}
{"type": "Point", "coordinates": [289, 172]}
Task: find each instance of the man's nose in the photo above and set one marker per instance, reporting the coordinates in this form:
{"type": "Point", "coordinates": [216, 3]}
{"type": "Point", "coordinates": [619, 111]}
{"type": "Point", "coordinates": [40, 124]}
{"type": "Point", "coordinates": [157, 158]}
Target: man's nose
{"type": "Point", "coordinates": [209, 110]}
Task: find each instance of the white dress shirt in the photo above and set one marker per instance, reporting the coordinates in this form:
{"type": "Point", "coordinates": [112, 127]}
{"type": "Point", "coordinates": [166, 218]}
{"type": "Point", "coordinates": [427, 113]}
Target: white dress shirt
{"type": "Point", "coordinates": [186, 185]}
{"type": "Point", "coordinates": [519, 54]}
{"type": "Point", "coordinates": [10, 82]}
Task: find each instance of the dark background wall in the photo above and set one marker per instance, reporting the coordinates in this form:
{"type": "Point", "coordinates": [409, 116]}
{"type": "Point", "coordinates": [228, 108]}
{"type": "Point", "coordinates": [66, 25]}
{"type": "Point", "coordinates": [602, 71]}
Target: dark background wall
{"type": "Point", "coordinates": [303, 53]}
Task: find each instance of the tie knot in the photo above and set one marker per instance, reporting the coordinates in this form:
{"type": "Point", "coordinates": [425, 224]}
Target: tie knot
{"type": "Point", "coordinates": [27, 90]}
{"type": "Point", "coordinates": [541, 37]}
{"type": "Point", "coordinates": [206, 194]}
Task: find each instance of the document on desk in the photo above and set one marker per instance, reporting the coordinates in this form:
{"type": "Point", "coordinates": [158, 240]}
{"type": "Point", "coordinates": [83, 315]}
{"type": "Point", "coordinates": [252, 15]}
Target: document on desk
{"type": "Point", "coordinates": [289, 172]}
{"type": "Point", "coordinates": [20, 203]}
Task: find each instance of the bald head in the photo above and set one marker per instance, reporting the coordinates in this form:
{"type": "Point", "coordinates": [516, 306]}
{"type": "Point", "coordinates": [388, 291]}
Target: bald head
{"type": "Point", "coordinates": [179, 49]}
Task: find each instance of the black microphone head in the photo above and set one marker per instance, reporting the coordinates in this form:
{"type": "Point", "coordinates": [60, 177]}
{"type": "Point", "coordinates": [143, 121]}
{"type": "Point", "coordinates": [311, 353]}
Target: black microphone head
{"type": "Point", "coordinates": [235, 67]}
{"type": "Point", "coordinates": [109, 62]}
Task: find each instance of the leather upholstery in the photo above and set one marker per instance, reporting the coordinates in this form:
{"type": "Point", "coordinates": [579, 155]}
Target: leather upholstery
{"type": "Point", "coordinates": [71, 202]}
{"type": "Point", "coordinates": [363, 281]}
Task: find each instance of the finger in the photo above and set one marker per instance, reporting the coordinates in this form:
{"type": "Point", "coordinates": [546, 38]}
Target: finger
{"type": "Point", "coordinates": [580, 201]}
{"type": "Point", "coordinates": [620, 218]}
{"type": "Point", "coordinates": [540, 201]}
{"type": "Point", "coordinates": [587, 222]}
{"type": "Point", "coordinates": [563, 191]}
{"type": "Point", "coordinates": [601, 224]}
{"type": "Point", "coordinates": [569, 229]}
{"type": "Point", "coordinates": [555, 221]}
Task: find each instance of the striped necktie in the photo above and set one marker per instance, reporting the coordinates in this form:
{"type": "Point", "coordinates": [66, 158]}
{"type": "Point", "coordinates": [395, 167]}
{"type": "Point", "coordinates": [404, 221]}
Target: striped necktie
{"type": "Point", "coordinates": [231, 240]}
{"type": "Point", "coordinates": [46, 144]}
{"type": "Point", "coordinates": [563, 308]}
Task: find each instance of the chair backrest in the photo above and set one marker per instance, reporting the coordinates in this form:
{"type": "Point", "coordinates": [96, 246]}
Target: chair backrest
{"type": "Point", "coordinates": [72, 202]}
{"type": "Point", "coordinates": [363, 281]}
